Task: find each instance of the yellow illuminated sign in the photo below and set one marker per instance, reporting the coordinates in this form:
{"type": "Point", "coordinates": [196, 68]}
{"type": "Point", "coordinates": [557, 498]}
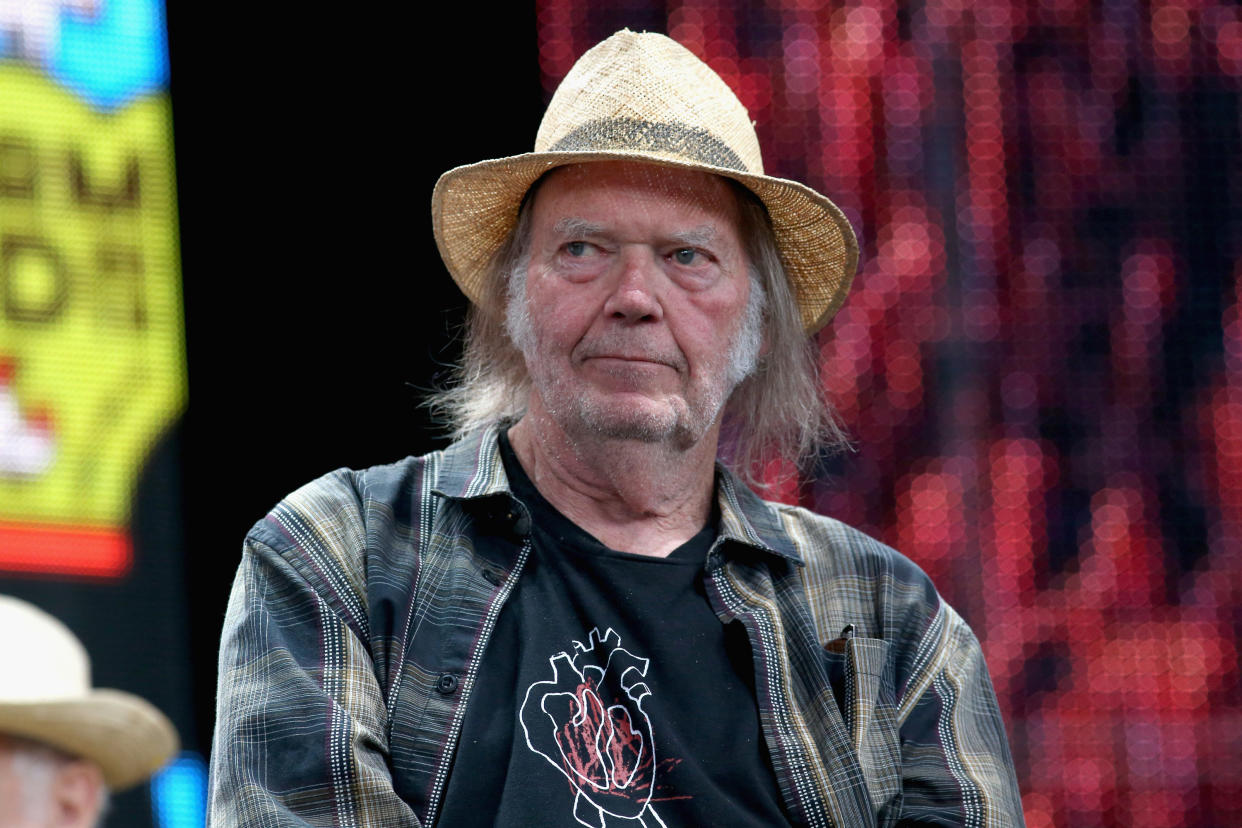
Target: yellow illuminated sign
{"type": "Point", "coordinates": [92, 364]}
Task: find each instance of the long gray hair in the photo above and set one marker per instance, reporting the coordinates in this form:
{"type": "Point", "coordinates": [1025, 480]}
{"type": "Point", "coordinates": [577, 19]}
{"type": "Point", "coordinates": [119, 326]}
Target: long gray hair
{"type": "Point", "coordinates": [776, 411]}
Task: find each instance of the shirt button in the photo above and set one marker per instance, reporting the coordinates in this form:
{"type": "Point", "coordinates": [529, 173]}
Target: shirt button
{"type": "Point", "coordinates": [446, 684]}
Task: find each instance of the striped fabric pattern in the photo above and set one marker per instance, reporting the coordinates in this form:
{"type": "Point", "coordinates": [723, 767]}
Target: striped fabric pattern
{"type": "Point", "coordinates": [364, 602]}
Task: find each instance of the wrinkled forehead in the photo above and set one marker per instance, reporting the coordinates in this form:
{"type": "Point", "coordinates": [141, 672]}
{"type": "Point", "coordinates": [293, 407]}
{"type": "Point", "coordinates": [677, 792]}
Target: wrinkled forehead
{"type": "Point", "coordinates": [639, 186]}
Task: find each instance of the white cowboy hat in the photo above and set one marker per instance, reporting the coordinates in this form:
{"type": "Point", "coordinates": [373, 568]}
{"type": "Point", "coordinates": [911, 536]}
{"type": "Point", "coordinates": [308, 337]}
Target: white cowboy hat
{"type": "Point", "coordinates": [646, 97]}
{"type": "Point", "coordinates": [46, 696]}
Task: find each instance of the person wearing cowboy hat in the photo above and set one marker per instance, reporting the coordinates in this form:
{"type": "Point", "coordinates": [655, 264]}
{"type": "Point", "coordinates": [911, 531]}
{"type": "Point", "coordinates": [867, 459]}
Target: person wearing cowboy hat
{"type": "Point", "coordinates": [579, 613]}
{"type": "Point", "coordinates": [63, 744]}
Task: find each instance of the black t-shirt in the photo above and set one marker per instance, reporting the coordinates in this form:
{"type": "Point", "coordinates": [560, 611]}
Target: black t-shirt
{"type": "Point", "coordinates": [610, 694]}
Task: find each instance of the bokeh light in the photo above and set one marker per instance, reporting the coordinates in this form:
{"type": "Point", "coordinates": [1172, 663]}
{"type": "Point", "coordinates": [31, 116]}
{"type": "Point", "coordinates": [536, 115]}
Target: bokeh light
{"type": "Point", "coordinates": [1041, 359]}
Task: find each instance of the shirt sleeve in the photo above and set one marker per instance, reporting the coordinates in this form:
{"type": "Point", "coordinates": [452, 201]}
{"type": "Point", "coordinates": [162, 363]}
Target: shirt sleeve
{"type": "Point", "coordinates": [956, 765]}
{"type": "Point", "coordinates": [301, 725]}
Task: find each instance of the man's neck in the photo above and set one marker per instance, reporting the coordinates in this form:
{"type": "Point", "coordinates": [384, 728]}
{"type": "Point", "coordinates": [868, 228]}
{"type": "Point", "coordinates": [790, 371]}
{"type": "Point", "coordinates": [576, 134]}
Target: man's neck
{"type": "Point", "coordinates": [645, 498]}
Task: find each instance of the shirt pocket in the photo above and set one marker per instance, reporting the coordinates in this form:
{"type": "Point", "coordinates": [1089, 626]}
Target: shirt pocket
{"type": "Point", "coordinates": [863, 685]}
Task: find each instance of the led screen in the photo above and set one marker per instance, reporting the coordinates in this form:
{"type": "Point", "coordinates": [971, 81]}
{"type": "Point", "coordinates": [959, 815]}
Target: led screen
{"type": "Point", "coordinates": [1041, 359]}
{"type": "Point", "coordinates": [92, 366]}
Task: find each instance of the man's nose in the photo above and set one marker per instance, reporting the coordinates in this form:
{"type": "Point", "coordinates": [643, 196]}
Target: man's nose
{"type": "Point", "coordinates": [634, 297]}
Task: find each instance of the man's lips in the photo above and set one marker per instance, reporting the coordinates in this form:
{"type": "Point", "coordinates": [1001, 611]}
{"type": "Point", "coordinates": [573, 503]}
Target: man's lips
{"type": "Point", "coordinates": [622, 354]}
{"type": "Point", "coordinates": [635, 360]}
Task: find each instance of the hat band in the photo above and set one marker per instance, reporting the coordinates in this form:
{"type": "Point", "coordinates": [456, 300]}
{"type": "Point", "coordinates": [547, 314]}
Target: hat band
{"type": "Point", "coordinates": [633, 135]}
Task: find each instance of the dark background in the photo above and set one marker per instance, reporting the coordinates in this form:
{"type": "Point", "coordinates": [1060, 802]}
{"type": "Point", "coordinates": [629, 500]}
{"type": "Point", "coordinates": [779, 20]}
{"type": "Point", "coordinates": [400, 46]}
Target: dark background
{"type": "Point", "coordinates": [316, 303]}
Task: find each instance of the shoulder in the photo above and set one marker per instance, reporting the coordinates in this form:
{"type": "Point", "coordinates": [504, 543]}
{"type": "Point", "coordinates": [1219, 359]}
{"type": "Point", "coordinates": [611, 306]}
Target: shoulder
{"type": "Point", "coordinates": [335, 529]}
{"type": "Point", "coordinates": [832, 550]}
{"type": "Point", "coordinates": [332, 536]}
{"type": "Point", "coordinates": [341, 509]}
{"type": "Point", "coordinates": [850, 577]}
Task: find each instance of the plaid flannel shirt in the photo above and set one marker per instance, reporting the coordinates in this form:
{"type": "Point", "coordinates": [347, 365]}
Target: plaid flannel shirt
{"type": "Point", "coordinates": [364, 603]}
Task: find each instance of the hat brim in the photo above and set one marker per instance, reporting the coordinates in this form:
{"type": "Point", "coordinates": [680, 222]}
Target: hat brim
{"type": "Point", "coordinates": [475, 207]}
{"type": "Point", "coordinates": [125, 735]}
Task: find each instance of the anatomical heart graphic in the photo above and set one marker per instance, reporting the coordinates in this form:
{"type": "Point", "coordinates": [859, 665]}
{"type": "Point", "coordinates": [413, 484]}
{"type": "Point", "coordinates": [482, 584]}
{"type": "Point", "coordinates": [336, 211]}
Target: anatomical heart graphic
{"type": "Point", "coordinates": [588, 722]}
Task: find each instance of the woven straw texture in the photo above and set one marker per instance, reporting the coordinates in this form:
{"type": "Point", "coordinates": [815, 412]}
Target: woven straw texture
{"type": "Point", "coordinates": [645, 97]}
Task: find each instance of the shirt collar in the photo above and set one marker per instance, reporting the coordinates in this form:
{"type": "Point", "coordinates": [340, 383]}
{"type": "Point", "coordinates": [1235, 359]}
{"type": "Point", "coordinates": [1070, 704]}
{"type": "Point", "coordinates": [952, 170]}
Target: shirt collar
{"type": "Point", "coordinates": [472, 468]}
{"type": "Point", "coordinates": [747, 518]}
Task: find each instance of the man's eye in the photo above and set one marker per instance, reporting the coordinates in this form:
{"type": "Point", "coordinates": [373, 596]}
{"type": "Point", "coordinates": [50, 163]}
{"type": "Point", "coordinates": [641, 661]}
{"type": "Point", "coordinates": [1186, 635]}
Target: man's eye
{"type": "Point", "coordinates": [577, 248]}
{"type": "Point", "coordinates": [685, 256]}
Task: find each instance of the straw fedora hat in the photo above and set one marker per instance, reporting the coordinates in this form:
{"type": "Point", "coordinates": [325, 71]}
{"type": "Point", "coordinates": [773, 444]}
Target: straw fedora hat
{"type": "Point", "coordinates": [642, 96]}
{"type": "Point", "coordinates": [46, 696]}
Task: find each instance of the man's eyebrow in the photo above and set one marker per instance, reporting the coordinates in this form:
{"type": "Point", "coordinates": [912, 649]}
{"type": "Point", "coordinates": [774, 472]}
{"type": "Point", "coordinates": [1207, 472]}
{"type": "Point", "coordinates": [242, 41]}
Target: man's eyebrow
{"type": "Point", "coordinates": [576, 228]}
{"type": "Point", "coordinates": [695, 237]}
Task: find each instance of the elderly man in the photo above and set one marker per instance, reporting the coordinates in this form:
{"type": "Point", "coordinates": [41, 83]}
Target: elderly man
{"type": "Point", "coordinates": [63, 744]}
{"type": "Point", "coordinates": [575, 614]}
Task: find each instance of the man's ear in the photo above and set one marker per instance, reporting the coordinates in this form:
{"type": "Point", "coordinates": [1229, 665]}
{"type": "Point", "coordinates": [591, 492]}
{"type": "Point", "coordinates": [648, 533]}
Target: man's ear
{"type": "Point", "coordinates": [77, 795]}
